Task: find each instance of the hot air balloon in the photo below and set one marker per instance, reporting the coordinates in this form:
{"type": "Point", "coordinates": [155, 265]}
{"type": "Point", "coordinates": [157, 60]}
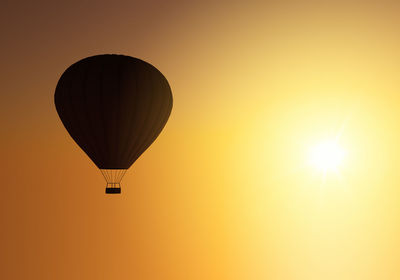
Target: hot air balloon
{"type": "Point", "coordinates": [114, 107]}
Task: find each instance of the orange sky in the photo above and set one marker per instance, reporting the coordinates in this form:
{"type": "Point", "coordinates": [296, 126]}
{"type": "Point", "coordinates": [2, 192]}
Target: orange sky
{"type": "Point", "coordinates": [223, 193]}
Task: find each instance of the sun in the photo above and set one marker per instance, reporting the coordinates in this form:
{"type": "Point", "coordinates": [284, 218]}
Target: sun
{"type": "Point", "coordinates": [327, 156]}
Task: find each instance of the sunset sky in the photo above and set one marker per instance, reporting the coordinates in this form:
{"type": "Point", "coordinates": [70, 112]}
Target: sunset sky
{"type": "Point", "coordinates": [232, 188]}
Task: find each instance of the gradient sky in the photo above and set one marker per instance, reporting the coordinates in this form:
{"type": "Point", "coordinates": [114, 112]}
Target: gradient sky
{"type": "Point", "coordinates": [225, 192]}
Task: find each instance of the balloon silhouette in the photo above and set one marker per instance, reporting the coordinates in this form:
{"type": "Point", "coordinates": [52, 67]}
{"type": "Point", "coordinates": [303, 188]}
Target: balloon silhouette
{"type": "Point", "coordinates": [114, 107]}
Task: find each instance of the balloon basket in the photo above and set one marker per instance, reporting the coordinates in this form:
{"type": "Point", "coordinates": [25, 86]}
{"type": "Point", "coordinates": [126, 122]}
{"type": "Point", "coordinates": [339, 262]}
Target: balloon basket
{"type": "Point", "coordinates": [113, 177]}
{"type": "Point", "coordinates": [113, 188]}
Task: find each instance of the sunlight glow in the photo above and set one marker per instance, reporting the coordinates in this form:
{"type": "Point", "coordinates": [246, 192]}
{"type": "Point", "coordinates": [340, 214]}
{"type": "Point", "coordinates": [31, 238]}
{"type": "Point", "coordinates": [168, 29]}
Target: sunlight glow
{"type": "Point", "coordinates": [327, 156]}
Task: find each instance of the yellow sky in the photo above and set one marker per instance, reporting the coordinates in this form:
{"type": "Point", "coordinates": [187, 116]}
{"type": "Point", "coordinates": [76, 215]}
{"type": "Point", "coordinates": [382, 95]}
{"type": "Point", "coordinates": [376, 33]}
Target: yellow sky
{"type": "Point", "coordinates": [226, 191]}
